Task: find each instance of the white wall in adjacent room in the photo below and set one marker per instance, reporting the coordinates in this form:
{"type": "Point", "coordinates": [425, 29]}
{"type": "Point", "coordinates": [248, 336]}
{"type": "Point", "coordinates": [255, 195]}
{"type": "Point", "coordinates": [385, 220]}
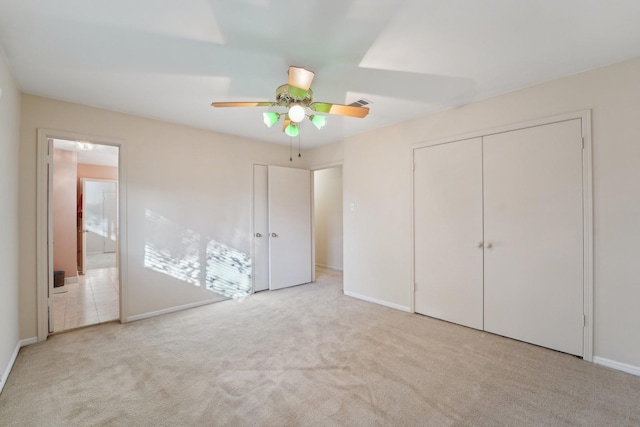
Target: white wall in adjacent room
{"type": "Point", "coordinates": [328, 217]}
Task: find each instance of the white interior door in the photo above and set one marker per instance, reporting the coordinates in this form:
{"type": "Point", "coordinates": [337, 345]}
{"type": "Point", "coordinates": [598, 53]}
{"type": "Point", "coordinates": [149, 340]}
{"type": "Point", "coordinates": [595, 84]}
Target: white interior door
{"type": "Point", "coordinates": [99, 215]}
{"type": "Point", "coordinates": [289, 226]}
{"type": "Point", "coordinates": [533, 269]}
{"type": "Point", "coordinates": [448, 232]}
{"type": "Point", "coordinates": [260, 228]}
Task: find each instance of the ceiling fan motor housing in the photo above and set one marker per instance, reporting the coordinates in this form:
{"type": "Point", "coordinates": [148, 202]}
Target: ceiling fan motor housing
{"type": "Point", "coordinates": [287, 95]}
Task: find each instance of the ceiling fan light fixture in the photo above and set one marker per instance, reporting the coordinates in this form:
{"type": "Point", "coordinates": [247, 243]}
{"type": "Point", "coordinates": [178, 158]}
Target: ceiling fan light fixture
{"type": "Point", "coordinates": [292, 130]}
{"type": "Point", "coordinates": [270, 118]}
{"type": "Point", "coordinates": [296, 113]}
{"type": "Point", "coordinates": [296, 97]}
{"type": "Point", "coordinates": [84, 146]}
{"type": "Point", "coordinates": [318, 121]}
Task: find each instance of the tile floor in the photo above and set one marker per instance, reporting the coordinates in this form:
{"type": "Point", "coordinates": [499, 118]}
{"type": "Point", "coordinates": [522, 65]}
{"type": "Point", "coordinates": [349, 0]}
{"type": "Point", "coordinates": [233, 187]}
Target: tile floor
{"type": "Point", "coordinates": [94, 299]}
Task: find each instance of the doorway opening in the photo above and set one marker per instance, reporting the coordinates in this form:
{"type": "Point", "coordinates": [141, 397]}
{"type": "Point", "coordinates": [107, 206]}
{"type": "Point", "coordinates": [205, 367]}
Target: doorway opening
{"type": "Point", "coordinates": [328, 220]}
{"type": "Point", "coordinates": [83, 201]}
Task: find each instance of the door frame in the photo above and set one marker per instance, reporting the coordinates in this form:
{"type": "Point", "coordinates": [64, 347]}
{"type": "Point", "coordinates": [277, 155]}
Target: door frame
{"type": "Point", "coordinates": [44, 273]}
{"type": "Point", "coordinates": [587, 197]}
{"type": "Point", "coordinates": [313, 220]}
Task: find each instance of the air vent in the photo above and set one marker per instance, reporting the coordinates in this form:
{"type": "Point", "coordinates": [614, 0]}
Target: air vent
{"type": "Point", "coordinates": [360, 103]}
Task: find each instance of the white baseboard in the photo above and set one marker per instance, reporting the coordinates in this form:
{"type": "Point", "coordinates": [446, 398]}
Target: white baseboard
{"type": "Point", "coordinates": [377, 301]}
{"type": "Point", "coordinates": [630, 369]}
{"type": "Point", "coordinates": [329, 267]}
{"type": "Point", "coordinates": [170, 310]}
{"type": "Point", "coordinates": [68, 280]}
{"type": "Point", "coordinates": [9, 367]}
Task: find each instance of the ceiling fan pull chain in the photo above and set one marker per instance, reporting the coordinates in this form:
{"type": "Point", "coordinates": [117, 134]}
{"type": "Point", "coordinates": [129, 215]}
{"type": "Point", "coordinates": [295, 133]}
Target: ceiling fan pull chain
{"type": "Point", "coordinates": [290, 149]}
{"type": "Point", "coordinates": [299, 155]}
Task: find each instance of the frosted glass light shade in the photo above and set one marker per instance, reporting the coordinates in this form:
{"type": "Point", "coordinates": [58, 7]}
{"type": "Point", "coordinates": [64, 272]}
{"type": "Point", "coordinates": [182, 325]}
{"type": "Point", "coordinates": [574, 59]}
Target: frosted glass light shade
{"type": "Point", "coordinates": [296, 113]}
{"type": "Point", "coordinates": [270, 118]}
{"type": "Point", "coordinates": [292, 130]}
{"type": "Point", "coordinates": [318, 121]}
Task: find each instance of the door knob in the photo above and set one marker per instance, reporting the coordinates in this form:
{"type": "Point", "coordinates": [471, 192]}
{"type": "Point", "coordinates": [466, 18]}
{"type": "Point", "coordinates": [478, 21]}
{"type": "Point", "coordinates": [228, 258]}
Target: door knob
{"type": "Point", "coordinates": [480, 244]}
{"type": "Point", "coordinates": [274, 235]}
{"type": "Point", "coordinates": [488, 245]}
{"type": "Point", "coordinates": [258, 235]}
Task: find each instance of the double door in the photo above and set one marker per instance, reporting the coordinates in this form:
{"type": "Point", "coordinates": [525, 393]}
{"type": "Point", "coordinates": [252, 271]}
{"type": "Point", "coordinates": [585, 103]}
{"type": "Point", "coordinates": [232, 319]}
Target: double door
{"type": "Point", "coordinates": [282, 227]}
{"type": "Point", "coordinates": [499, 234]}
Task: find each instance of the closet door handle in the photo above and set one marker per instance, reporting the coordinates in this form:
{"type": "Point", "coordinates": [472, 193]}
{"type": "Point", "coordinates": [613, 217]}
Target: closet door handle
{"type": "Point", "coordinates": [258, 235]}
{"type": "Point", "coordinates": [488, 245]}
{"type": "Point", "coordinates": [480, 244]}
{"type": "Point", "coordinates": [274, 235]}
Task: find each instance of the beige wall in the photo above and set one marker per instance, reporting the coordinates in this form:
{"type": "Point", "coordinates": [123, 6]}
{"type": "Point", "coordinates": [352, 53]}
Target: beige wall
{"type": "Point", "coordinates": [173, 167]}
{"type": "Point", "coordinates": [65, 167]}
{"type": "Point", "coordinates": [326, 155]}
{"type": "Point", "coordinates": [328, 217]}
{"type": "Point", "coordinates": [186, 189]}
{"type": "Point", "coordinates": [9, 278]}
{"type": "Point", "coordinates": [377, 179]}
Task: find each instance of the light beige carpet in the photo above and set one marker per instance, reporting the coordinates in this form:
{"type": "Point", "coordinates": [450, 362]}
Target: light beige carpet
{"type": "Point", "coordinates": [306, 356]}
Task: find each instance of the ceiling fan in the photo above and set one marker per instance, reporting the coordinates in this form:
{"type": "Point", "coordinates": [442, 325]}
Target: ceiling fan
{"type": "Point", "coordinates": [297, 97]}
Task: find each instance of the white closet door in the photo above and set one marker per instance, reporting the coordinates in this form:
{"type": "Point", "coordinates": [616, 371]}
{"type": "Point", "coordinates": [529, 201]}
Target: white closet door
{"type": "Point", "coordinates": [260, 228]}
{"type": "Point", "coordinates": [290, 227]}
{"type": "Point", "coordinates": [448, 232]}
{"type": "Point", "coordinates": [533, 220]}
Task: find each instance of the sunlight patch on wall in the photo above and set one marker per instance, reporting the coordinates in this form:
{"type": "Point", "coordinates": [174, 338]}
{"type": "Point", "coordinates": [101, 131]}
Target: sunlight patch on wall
{"type": "Point", "coordinates": [228, 270]}
{"type": "Point", "coordinates": [186, 255]}
{"type": "Point", "coordinates": [171, 250]}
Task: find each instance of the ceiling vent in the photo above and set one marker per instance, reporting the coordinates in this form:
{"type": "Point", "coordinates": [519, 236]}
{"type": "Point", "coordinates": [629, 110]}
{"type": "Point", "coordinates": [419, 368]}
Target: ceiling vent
{"type": "Point", "coordinates": [360, 103]}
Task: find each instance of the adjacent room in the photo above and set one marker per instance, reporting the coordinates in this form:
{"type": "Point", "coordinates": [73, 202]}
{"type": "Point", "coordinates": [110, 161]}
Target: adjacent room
{"type": "Point", "coordinates": [84, 223]}
{"type": "Point", "coordinates": [320, 213]}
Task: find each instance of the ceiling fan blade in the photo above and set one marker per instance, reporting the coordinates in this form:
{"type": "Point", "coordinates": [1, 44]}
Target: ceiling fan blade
{"type": "Point", "coordinates": [343, 110]}
{"type": "Point", "coordinates": [242, 104]}
{"type": "Point", "coordinates": [300, 77]}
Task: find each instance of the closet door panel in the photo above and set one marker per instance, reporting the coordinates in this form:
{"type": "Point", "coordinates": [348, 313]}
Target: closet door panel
{"type": "Point", "coordinates": [290, 260]}
{"type": "Point", "coordinates": [533, 221]}
{"type": "Point", "coordinates": [448, 230]}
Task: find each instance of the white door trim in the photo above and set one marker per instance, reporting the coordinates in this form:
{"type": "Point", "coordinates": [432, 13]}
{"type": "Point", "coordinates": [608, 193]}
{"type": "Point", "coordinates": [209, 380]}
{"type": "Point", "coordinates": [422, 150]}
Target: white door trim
{"type": "Point", "coordinates": [587, 191]}
{"type": "Point", "coordinates": [42, 273]}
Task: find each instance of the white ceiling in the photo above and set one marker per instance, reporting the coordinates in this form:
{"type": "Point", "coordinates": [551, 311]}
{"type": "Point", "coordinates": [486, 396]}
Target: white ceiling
{"type": "Point", "coordinates": [90, 153]}
{"type": "Point", "coordinates": [169, 59]}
